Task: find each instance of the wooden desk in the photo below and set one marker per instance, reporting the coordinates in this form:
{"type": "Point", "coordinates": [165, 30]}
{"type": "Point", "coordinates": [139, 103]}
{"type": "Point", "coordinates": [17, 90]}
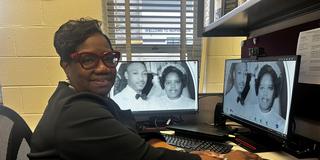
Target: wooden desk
{"type": "Point", "coordinates": [266, 155]}
{"type": "Point", "coordinates": [272, 155]}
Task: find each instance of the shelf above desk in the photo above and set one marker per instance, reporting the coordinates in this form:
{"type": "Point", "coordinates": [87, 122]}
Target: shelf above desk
{"type": "Point", "coordinates": [257, 14]}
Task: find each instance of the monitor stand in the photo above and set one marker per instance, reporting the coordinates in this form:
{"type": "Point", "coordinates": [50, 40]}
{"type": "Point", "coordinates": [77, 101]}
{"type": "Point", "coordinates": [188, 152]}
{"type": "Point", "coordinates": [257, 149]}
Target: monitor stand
{"type": "Point", "coordinates": [257, 142]}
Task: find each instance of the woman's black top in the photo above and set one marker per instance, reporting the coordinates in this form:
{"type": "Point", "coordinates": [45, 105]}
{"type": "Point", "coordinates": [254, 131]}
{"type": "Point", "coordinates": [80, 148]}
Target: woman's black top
{"type": "Point", "coordinates": [87, 126]}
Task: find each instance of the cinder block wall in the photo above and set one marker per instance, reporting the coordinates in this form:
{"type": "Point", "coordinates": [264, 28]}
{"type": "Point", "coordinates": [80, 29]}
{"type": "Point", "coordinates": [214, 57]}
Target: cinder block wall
{"type": "Point", "coordinates": [214, 52]}
{"type": "Point", "coordinates": [29, 66]}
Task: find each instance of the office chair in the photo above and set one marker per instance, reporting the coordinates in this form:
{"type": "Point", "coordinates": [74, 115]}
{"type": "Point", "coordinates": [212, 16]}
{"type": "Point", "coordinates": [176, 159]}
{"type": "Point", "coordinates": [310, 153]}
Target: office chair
{"type": "Point", "coordinates": [15, 135]}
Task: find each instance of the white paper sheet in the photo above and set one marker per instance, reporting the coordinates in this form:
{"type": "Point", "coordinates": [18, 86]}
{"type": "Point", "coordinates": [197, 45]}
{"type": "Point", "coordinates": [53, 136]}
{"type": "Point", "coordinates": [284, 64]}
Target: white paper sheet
{"type": "Point", "coordinates": [309, 49]}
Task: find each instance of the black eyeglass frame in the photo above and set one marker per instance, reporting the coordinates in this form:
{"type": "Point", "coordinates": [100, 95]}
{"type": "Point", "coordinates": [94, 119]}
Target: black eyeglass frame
{"type": "Point", "coordinates": [77, 56]}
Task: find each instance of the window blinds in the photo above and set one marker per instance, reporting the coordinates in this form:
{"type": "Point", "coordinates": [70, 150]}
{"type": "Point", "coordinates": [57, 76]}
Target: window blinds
{"type": "Point", "coordinates": [153, 30]}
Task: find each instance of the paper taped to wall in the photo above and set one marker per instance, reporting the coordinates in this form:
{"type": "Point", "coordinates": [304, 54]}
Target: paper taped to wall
{"type": "Point", "coordinates": [309, 49]}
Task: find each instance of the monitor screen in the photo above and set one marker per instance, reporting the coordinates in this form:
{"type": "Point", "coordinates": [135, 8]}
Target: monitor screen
{"type": "Point", "coordinates": [156, 86]}
{"type": "Point", "coordinates": [259, 92]}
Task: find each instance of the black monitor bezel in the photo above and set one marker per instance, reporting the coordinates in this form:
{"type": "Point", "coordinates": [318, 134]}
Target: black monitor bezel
{"type": "Point", "coordinates": [259, 128]}
{"type": "Point", "coordinates": [165, 113]}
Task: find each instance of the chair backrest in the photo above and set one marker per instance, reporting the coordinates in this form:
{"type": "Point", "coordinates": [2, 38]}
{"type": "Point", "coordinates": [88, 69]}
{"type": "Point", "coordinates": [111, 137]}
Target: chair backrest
{"type": "Point", "coordinates": [15, 135]}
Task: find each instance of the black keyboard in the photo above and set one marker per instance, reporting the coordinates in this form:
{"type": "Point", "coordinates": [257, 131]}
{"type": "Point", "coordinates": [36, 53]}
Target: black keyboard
{"type": "Point", "coordinates": [193, 144]}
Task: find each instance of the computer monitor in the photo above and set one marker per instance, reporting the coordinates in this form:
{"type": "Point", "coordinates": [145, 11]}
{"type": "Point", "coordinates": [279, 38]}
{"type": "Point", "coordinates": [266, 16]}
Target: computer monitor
{"type": "Point", "coordinates": [157, 87]}
{"type": "Point", "coordinates": [259, 92]}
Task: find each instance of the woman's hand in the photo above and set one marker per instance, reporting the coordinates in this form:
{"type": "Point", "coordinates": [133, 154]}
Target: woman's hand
{"type": "Point", "coordinates": [208, 155]}
{"type": "Point", "coordinates": [162, 144]}
{"type": "Point", "coordinates": [241, 155]}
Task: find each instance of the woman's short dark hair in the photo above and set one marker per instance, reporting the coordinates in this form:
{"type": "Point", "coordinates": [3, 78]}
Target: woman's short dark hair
{"type": "Point", "coordinates": [170, 69]}
{"type": "Point", "coordinates": [267, 69]}
{"type": "Point", "coordinates": [73, 33]}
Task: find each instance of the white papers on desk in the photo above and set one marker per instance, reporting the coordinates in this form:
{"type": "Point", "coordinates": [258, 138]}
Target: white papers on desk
{"type": "Point", "coordinates": [309, 49]}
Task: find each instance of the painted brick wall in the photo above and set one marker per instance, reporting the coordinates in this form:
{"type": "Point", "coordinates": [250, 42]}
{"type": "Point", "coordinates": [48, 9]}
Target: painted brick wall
{"type": "Point", "coordinates": [29, 66]}
{"type": "Point", "coordinates": [215, 51]}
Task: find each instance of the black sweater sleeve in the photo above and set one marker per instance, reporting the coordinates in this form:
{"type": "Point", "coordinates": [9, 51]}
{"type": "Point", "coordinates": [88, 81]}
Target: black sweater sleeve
{"type": "Point", "coordinates": [86, 130]}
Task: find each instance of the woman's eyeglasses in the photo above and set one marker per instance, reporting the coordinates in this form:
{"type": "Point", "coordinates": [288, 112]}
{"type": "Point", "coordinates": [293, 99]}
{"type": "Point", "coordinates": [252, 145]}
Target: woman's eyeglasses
{"type": "Point", "coordinates": [90, 60]}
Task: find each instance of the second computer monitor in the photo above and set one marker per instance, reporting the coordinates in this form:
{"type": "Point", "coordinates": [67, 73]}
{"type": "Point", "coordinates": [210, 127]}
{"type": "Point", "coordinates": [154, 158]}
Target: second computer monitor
{"type": "Point", "coordinates": [259, 92]}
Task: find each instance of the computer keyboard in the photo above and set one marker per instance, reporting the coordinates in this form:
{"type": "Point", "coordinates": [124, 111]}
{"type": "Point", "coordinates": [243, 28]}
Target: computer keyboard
{"type": "Point", "coordinates": [193, 144]}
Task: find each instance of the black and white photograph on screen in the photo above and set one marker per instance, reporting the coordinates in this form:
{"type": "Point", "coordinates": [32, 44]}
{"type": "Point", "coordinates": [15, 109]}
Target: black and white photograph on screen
{"type": "Point", "coordinates": [130, 85]}
{"type": "Point", "coordinates": [270, 91]}
{"type": "Point", "coordinates": [156, 85]}
{"type": "Point", "coordinates": [237, 86]}
{"type": "Point", "coordinates": [257, 91]}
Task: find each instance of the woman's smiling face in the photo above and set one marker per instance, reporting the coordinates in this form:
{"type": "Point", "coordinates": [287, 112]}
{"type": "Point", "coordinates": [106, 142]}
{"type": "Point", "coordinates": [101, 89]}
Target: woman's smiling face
{"type": "Point", "coordinates": [173, 85]}
{"type": "Point", "coordinates": [98, 80]}
{"type": "Point", "coordinates": [266, 93]}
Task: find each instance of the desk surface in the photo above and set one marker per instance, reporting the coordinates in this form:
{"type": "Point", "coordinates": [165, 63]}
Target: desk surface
{"type": "Point", "coordinates": [281, 155]}
{"type": "Point", "coordinates": [272, 155]}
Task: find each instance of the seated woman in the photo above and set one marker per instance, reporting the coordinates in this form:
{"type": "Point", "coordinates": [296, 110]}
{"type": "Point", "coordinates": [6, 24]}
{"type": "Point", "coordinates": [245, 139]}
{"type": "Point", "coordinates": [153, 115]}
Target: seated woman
{"type": "Point", "coordinates": [81, 122]}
